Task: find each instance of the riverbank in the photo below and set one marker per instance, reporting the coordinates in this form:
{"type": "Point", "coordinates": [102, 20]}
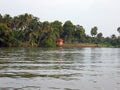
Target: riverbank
{"type": "Point", "coordinates": [78, 45]}
{"type": "Point", "coordinates": [83, 45]}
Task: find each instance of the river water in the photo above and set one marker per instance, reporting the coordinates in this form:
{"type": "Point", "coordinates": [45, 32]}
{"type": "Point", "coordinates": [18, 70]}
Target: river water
{"type": "Point", "coordinates": [60, 69]}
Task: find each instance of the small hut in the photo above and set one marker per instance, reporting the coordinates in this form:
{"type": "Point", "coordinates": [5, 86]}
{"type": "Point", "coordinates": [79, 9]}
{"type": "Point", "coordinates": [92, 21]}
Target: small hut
{"type": "Point", "coordinates": [59, 42]}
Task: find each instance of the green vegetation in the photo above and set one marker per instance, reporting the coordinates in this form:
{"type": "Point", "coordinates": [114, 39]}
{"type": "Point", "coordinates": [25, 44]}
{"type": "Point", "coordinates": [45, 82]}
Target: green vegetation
{"type": "Point", "coordinates": [28, 31]}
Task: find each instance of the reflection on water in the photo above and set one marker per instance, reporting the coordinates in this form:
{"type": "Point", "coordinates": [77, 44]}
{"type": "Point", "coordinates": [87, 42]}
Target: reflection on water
{"type": "Point", "coordinates": [59, 69]}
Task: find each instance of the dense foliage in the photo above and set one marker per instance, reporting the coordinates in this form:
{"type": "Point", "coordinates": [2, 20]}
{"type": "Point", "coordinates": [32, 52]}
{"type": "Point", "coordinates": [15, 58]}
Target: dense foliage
{"type": "Point", "coordinates": [27, 30]}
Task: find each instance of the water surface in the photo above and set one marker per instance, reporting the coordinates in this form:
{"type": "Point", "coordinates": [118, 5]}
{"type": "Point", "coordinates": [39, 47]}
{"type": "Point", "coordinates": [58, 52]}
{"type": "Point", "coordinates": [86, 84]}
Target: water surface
{"type": "Point", "coordinates": [59, 69]}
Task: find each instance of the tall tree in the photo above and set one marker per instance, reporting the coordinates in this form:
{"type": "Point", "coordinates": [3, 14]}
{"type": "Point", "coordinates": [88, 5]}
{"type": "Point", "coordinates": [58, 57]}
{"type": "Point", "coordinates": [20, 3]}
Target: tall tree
{"type": "Point", "coordinates": [48, 37]}
{"type": "Point", "coordinates": [94, 31]}
{"type": "Point", "coordinates": [68, 30]}
{"type": "Point", "coordinates": [99, 37]}
{"type": "Point", "coordinates": [114, 40]}
{"type": "Point", "coordinates": [7, 36]}
{"type": "Point", "coordinates": [0, 18]}
{"type": "Point", "coordinates": [79, 33]}
{"type": "Point", "coordinates": [113, 36]}
{"type": "Point", "coordinates": [7, 19]}
{"type": "Point", "coordinates": [118, 29]}
{"type": "Point", "coordinates": [57, 26]}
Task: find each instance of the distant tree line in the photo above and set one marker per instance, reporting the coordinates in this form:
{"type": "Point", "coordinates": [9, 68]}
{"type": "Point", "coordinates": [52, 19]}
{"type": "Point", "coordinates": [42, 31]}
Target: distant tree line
{"type": "Point", "coordinates": [27, 30]}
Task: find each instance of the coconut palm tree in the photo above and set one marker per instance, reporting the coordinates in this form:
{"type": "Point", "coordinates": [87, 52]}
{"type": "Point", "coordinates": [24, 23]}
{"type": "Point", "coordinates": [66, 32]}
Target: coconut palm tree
{"type": "Point", "coordinates": [118, 29]}
{"type": "Point", "coordinates": [113, 36]}
{"type": "Point", "coordinates": [94, 31]}
{"type": "Point", "coordinates": [6, 35]}
{"type": "Point", "coordinates": [7, 19]}
{"type": "Point", "coordinates": [0, 18]}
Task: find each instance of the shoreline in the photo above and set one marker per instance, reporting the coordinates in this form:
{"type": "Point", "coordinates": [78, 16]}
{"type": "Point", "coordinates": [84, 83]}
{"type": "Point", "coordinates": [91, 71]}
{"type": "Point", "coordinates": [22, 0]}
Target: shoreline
{"type": "Point", "coordinates": [79, 45]}
{"type": "Point", "coordinates": [66, 45]}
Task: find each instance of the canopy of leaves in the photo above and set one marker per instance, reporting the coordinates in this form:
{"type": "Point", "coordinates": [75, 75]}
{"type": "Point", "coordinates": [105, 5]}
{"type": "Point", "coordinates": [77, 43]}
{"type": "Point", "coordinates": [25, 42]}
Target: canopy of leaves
{"type": "Point", "coordinates": [27, 30]}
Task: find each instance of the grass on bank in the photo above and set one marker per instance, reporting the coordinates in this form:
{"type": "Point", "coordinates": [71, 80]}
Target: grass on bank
{"type": "Point", "coordinates": [79, 45]}
{"type": "Point", "coordinates": [86, 45]}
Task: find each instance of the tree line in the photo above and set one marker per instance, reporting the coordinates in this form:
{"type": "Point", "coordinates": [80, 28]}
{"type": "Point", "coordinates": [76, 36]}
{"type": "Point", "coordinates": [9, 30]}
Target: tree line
{"type": "Point", "coordinates": [27, 30]}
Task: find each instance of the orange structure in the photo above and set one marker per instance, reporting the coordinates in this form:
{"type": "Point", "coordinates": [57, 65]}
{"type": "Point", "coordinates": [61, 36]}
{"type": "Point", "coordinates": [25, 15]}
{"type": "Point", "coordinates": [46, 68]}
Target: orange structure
{"type": "Point", "coordinates": [59, 42]}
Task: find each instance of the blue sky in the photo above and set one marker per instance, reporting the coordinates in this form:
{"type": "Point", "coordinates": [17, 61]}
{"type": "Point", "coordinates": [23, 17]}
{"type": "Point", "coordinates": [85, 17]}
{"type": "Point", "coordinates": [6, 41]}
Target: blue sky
{"type": "Point", "coordinates": [104, 14]}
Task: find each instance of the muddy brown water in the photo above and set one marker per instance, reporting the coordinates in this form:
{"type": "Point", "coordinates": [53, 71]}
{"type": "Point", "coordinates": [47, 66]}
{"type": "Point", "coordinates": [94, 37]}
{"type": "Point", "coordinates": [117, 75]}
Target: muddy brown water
{"type": "Point", "coordinates": [60, 69]}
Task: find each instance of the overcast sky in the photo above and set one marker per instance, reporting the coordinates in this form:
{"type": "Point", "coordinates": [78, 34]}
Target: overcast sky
{"type": "Point", "coordinates": [105, 14]}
